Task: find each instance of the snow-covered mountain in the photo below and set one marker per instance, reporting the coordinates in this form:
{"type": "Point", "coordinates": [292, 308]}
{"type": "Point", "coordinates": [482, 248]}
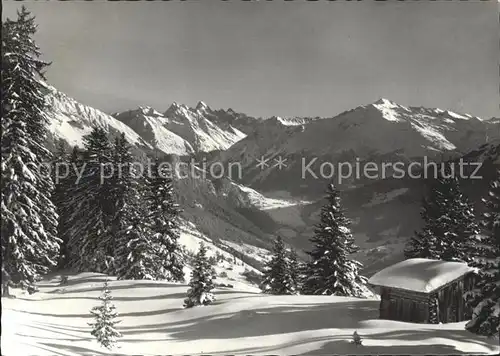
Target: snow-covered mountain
{"type": "Point", "coordinates": [195, 126]}
{"type": "Point", "coordinates": [183, 130]}
{"type": "Point", "coordinates": [243, 216]}
{"type": "Point", "coordinates": [380, 132]}
{"type": "Point", "coordinates": [71, 120]}
{"type": "Point", "coordinates": [151, 125]}
{"type": "Point", "coordinates": [180, 130]}
{"type": "Point", "coordinates": [385, 210]}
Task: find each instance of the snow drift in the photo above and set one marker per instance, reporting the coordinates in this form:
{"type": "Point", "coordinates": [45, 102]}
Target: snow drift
{"type": "Point", "coordinates": [153, 321]}
{"type": "Point", "coordinates": [420, 274]}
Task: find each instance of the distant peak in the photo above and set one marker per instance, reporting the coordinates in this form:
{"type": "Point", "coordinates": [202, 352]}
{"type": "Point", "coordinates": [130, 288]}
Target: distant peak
{"type": "Point", "coordinates": [174, 108]}
{"type": "Point", "coordinates": [148, 111]}
{"type": "Point", "coordinates": [384, 101]}
{"type": "Point", "coordinates": [201, 106]}
{"type": "Point", "coordinates": [389, 109]}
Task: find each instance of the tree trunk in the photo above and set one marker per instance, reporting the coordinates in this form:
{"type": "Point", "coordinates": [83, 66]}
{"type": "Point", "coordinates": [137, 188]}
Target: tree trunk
{"type": "Point", "coordinates": [5, 290]}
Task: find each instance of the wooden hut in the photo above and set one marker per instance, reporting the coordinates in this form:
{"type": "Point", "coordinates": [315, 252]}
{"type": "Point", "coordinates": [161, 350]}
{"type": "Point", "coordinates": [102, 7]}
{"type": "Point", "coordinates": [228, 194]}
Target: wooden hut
{"type": "Point", "coordinates": [420, 290]}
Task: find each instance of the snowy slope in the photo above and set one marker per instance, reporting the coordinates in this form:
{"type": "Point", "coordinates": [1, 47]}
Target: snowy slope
{"type": "Point", "coordinates": [230, 118]}
{"type": "Point", "coordinates": [181, 130]}
{"type": "Point", "coordinates": [153, 322]}
{"type": "Point", "coordinates": [229, 271]}
{"type": "Point", "coordinates": [292, 121]}
{"type": "Point", "coordinates": [71, 120]}
{"type": "Point", "coordinates": [250, 197]}
{"type": "Point", "coordinates": [150, 124]}
{"type": "Point", "coordinates": [219, 217]}
{"type": "Point", "coordinates": [195, 127]}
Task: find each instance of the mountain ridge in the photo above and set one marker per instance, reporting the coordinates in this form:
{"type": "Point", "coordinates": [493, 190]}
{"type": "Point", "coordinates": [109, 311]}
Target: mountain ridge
{"type": "Point", "coordinates": [244, 215]}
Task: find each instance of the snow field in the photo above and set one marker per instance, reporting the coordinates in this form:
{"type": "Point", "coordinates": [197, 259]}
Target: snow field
{"type": "Point", "coordinates": [153, 321]}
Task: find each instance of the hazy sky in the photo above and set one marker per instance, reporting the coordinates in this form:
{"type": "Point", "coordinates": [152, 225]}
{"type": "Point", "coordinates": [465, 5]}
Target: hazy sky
{"type": "Point", "coordinates": [272, 58]}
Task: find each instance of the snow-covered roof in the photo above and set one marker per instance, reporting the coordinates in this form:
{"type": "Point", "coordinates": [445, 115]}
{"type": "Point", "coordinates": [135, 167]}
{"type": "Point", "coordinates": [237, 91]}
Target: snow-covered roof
{"type": "Point", "coordinates": [420, 274]}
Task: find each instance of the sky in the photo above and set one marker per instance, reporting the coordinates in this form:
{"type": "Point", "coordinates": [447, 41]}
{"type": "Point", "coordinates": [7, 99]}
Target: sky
{"type": "Point", "coordinates": [272, 58]}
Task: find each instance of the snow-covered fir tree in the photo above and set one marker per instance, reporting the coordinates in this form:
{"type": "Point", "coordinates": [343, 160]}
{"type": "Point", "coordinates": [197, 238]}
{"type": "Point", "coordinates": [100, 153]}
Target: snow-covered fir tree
{"type": "Point", "coordinates": [135, 256]}
{"type": "Point", "coordinates": [295, 270]}
{"type": "Point", "coordinates": [423, 244]}
{"type": "Point", "coordinates": [123, 194]}
{"type": "Point", "coordinates": [330, 271]}
{"type": "Point", "coordinates": [201, 283]}
{"type": "Point", "coordinates": [64, 203]}
{"type": "Point", "coordinates": [71, 202]}
{"type": "Point", "coordinates": [485, 297]}
{"type": "Point", "coordinates": [130, 239]}
{"type": "Point", "coordinates": [356, 339]}
{"type": "Point", "coordinates": [277, 277]}
{"type": "Point", "coordinates": [459, 243]}
{"type": "Point", "coordinates": [95, 212]}
{"type": "Point", "coordinates": [104, 326]}
{"type": "Point", "coordinates": [163, 221]}
{"type": "Point", "coordinates": [60, 168]}
{"type": "Point", "coordinates": [30, 246]}
{"type": "Point", "coordinates": [450, 222]}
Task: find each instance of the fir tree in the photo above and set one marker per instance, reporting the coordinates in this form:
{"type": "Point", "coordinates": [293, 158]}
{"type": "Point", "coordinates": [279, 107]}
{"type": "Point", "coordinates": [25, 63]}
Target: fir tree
{"type": "Point", "coordinates": [450, 222]}
{"type": "Point", "coordinates": [330, 271]}
{"type": "Point", "coordinates": [122, 192]}
{"type": "Point", "coordinates": [295, 270]}
{"type": "Point", "coordinates": [131, 239]}
{"type": "Point", "coordinates": [64, 202]}
{"type": "Point", "coordinates": [485, 297]}
{"type": "Point", "coordinates": [277, 276]}
{"type": "Point", "coordinates": [30, 245]}
{"type": "Point", "coordinates": [93, 195]}
{"type": "Point", "coordinates": [163, 217]}
{"type": "Point", "coordinates": [75, 154]}
{"type": "Point", "coordinates": [72, 205]}
{"type": "Point", "coordinates": [356, 339]}
{"type": "Point", "coordinates": [201, 283]}
{"type": "Point", "coordinates": [103, 329]}
{"type": "Point", "coordinates": [60, 172]}
{"type": "Point", "coordinates": [135, 256]}
{"type": "Point", "coordinates": [60, 150]}
{"type": "Point", "coordinates": [422, 245]}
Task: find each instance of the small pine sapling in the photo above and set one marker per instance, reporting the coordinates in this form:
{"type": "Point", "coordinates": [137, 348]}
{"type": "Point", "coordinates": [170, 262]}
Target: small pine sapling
{"type": "Point", "coordinates": [103, 329]}
{"type": "Point", "coordinates": [356, 339]}
{"type": "Point", "coordinates": [201, 283]}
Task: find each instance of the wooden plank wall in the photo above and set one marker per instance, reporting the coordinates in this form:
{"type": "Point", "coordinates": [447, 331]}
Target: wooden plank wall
{"type": "Point", "coordinates": [403, 305]}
